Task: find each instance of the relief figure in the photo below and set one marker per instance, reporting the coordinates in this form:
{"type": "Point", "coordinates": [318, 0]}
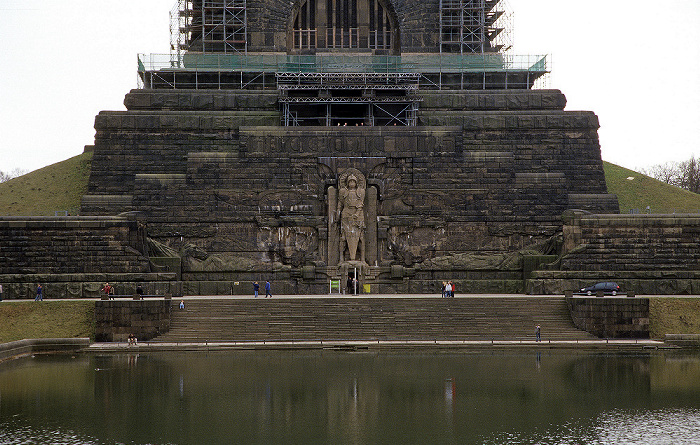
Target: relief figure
{"type": "Point", "coordinates": [350, 212]}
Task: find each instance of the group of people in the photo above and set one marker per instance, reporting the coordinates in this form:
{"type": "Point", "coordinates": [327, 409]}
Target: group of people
{"type": "Point", "coordinates": [448, 289]}
{"type": "Point", "coordinates": [268, 289]}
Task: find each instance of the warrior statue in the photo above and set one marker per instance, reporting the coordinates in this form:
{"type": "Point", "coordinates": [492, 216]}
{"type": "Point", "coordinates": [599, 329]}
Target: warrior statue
{"type": "Point", "coordinates": [350, 213]}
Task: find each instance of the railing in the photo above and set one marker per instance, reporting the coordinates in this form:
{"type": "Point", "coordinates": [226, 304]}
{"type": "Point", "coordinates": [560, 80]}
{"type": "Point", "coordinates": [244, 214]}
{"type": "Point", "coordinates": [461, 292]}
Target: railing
{"type": "Point", "coordinates": [304, 38]}
{"type": "Point", "coordinates": [380, 39]}
{"type": "Point", "coordinates": [336, 63]}
{"type": "Point", "coordinates": [342, 38]}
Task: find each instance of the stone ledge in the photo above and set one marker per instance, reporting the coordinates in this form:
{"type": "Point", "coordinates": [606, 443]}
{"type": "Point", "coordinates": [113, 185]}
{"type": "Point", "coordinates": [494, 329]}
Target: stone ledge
{"type": "Point", "coordinates": [637, 220]}
{"type": "Point", "coordinates": [83, 277]}
{"type": "Point", "coordinates": [52, 222]}
{"type": "Point", "coordinates": [687, 340]}
{"type": "Point", "coordinates": [161, 178]}
{"type": "Point", "coordinates": [615, 275]}
{"type": "Point", "coordinates": [21, 348]}
{"type": "Point", "coordinates": [493, 100]}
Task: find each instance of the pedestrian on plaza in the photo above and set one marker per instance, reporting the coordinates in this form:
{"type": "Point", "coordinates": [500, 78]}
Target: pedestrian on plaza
{"type": "Point", "coordinates": [182, 304]}
{"type": "Point", "coordinates": [39, 293]}
{"type": "Point", "coordinates": [349, 285]}
{"type": "Point", "coordinates": [452, 289]}
{"type": "Point", "coordinates": [537, 333]}
{"type": "Point", "coordinates": [444, 284]}
{"type": "Point", "coordinates": [268, 289]}
{"type": "Point", "coordinates": [0, 292]}
{"type": "Point", "coordinates": [107, 290]}
{"type": "Point", "coordinates": [139, 291]}
{"type": "Point", "coordinates": [448, 289]}
{"type": "Point", "coordinates": [256, 289]}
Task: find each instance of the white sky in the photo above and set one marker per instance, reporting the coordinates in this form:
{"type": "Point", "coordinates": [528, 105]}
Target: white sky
{"type": "Point", "coordinates": [635, 63]}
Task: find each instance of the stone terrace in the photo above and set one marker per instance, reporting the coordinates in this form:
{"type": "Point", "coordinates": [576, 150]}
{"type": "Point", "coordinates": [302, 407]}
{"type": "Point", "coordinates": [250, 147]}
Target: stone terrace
{"type": "Point", "coordinates": [368, 319]}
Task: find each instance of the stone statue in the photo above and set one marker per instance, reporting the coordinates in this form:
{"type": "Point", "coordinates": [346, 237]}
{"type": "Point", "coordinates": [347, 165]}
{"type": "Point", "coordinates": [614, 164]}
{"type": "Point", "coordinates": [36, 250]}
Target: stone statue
{"type": "Point", "coordinates": [350, 212]}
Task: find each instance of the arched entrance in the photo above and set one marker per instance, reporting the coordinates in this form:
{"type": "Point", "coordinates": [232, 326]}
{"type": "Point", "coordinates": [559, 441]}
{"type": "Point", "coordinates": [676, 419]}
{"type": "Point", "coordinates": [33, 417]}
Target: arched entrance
{"type": "Point", "coordinates": [368, 25]}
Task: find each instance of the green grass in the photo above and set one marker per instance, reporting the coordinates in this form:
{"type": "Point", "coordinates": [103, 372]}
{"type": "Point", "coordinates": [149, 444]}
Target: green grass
{"type": "Point", "coordinates": [46, 319]}
{"type": "Point", "coordinates": [643, 191]}
{"type": "Point", "coordinates": [668, 315]}
{"type": "Point", "coordinates": [57, 187]}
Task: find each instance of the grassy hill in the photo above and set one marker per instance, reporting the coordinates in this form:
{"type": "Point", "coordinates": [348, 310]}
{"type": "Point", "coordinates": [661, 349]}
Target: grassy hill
{"type": "Point", "coordinates": [48, 319]}
{"type": "Point", "coordinates": [641, 191]}
{"type": "Point", "coordinates": [57, 187]}
{"type": "Point", "coordinates": [61, 185]}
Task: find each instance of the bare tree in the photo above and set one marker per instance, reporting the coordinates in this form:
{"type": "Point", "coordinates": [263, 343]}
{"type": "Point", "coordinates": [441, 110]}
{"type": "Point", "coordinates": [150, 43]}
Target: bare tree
{"type": "Point", "coordinates": [690, 175]}
{"type": "Point", "coordinates": [6, 176]}
{"type": "Point", "coordinates": [683, 174]}
{"type": "Point", "coordinates": [663, 172]}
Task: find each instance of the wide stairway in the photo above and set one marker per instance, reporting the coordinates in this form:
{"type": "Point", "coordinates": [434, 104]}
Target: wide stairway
{"type": "Point", "coordinates": [368, 319]}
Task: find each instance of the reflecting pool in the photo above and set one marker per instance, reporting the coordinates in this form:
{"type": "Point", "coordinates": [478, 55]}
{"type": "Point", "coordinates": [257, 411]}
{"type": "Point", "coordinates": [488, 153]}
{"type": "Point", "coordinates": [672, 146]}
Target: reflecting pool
{"type": "Point", "coordinates": [366, 397]}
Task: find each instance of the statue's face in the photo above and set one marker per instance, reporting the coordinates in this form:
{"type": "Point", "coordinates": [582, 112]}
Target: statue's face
{"type": "Point", "coordinates": [352, 183]}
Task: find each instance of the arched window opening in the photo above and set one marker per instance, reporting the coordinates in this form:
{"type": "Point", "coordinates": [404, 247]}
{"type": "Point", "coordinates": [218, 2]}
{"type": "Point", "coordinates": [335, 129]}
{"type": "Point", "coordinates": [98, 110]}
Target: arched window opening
{"type": "Point", "coordinates": [344, 24]}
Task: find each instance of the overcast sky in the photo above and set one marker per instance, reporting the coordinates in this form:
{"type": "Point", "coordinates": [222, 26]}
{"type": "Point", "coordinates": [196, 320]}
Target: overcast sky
{"type": "Point", "coordinates": [635, 63]}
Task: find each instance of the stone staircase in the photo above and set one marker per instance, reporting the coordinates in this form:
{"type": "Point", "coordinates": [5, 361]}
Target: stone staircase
{"type": "Point", "coordinates": [368, 319]}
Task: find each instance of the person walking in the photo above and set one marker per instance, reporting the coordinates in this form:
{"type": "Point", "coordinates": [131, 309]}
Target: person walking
{"type": "Point", "coordinates": [452, 289]}
{"type": "Point", "coordinates": [139, 291]}
{"type": "Point", "coordinates": [443, 289]}
{"type": "Point", "coordinates": [448, 289]}
{"type": "Point", "coordinates": [537, 333]}
{"type": "Point", "coordinates": [268, 289]}
{"type": "Point", "coordinates": [256, 289]}
{"type": "Point", "coordinates": [39, 293]}
{"type": "Point", "coordinates": [107, 289]}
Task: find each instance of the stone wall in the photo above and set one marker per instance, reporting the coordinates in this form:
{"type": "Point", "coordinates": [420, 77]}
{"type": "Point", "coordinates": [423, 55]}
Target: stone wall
{"type": "Point", "coordinates": [611, 317]}
{"type": "Point", "coordinates": [68, 245]}
{"type": "Point", "coordinates": [72, 257]}
{"type": "Point", "coordinates": [217, 179]}
{"type": "Point", "coordinates": [632, 243]}
{"type": "Point", "coordinates": [22, 348]}
{"type": "Point", "coordinates": [497, 172]}
{"type": "Point", "coordinates": [115, 320]}
{"type": "Point", "coordinates": [87, 285]}
{"type": "Point", "coordinates": [644, 254]}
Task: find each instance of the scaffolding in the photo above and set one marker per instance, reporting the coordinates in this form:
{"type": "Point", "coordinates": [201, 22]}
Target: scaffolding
{"type": "Point", "coordinates": [437, 71]}
{"type": "Point", "coordinates": [475, 26]}
{"type": "Point", "coordinates": [209, 26]}
{"type": "Point", "coordinates": [348, 99]}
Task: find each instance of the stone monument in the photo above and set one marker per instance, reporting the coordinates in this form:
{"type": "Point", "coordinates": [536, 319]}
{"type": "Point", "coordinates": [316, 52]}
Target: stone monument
{"type": "Point", "coordinates": [302, 140]}
{"type": "Point", "coordinates": [311, 140]}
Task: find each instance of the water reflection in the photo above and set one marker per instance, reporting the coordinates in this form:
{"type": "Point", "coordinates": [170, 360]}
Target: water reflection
{"type": "Point", "coordinates": [352, 398]}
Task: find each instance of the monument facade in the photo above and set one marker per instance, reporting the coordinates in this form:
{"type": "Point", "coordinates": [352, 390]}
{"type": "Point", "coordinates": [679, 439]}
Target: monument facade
{"type": "Point", "coordinates": [303, 141]}
{"type": "Point", "coordinates": [397, 142]}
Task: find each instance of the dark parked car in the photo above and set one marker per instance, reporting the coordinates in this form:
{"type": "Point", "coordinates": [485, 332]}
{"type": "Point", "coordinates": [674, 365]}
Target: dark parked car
{"type": "Point", "coordinates": [608, 288]}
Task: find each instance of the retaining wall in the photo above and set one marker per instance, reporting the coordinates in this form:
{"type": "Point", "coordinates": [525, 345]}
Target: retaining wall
{"type": "Point", "coordinates": [20, 348]}
{"type": "Point", "coordinates": [115, 320]}
{"type": "Point", "coordinates": [611, 317]}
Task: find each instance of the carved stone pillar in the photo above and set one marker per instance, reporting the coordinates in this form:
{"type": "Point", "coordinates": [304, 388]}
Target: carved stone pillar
{"type": "Point", "coordinates": [333, 227]}
{"type": "Point", "coordinates": [371, 224]}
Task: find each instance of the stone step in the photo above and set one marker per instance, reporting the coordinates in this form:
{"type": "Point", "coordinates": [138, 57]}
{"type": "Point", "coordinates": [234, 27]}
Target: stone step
{"type": "Point", "coordinates": [371, 319]}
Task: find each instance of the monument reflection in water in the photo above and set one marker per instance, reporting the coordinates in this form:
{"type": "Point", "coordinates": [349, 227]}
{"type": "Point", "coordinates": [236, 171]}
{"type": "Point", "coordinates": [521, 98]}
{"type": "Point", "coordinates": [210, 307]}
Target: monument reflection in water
{"type": "Point", "coordinates": [262, 397]}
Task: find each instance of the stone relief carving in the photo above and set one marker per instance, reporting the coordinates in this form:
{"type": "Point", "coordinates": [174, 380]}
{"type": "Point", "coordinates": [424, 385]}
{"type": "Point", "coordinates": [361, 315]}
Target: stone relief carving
{"type": "Point", "coordinates": [350, 213]}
